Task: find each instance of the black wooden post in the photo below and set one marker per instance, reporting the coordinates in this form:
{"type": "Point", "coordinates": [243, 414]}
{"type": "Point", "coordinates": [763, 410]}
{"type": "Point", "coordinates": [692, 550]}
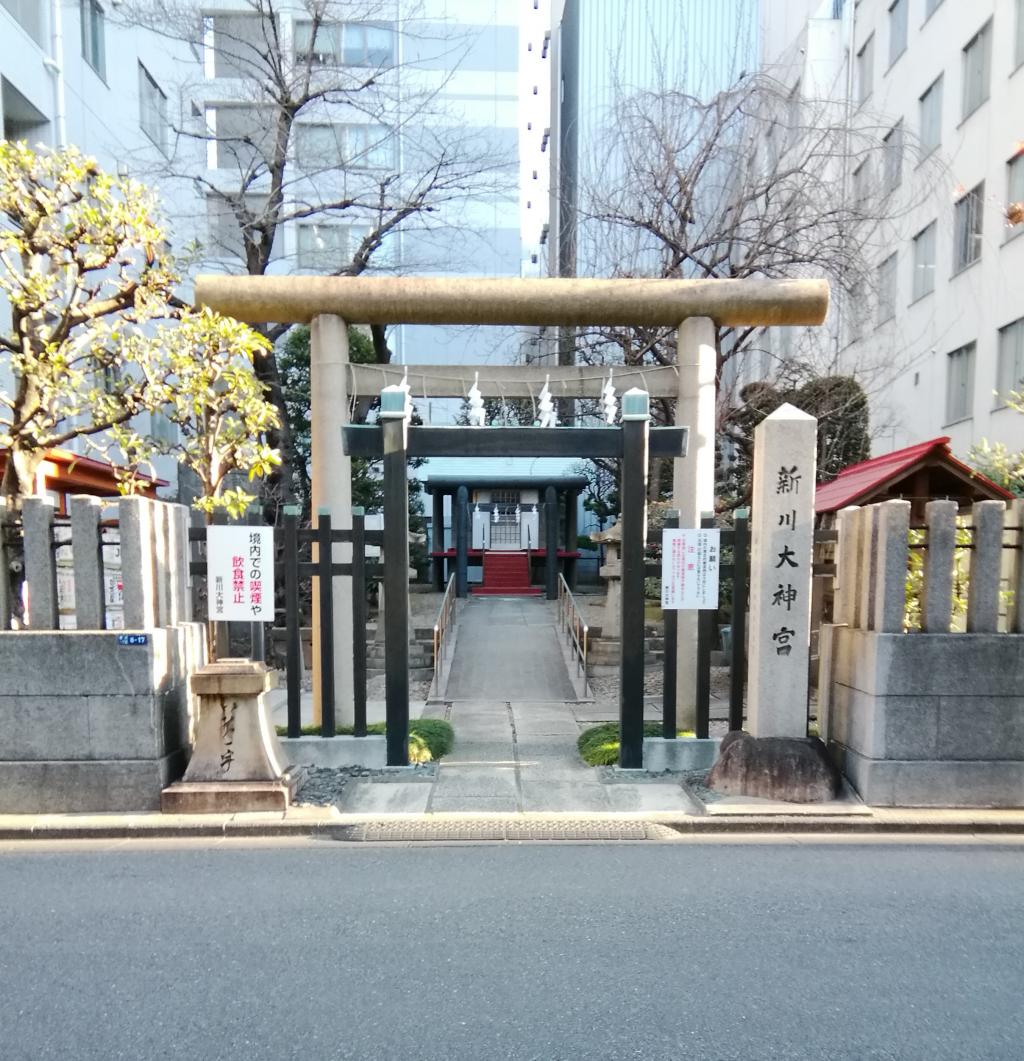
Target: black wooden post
{"type": "Point", "coordinates": [551, 542]}
{"type": "Point", "coordinates": [740, 577]}
{"type": "Point", "coordinates": [396, 575]}
{"type": "Point", "coordinates": [325, 587]}
{"type": "Point", "coordinates": [635, 426]}
{"type": "Point", "coordinates": [671, 618]}
{"type": "Point", "coordinates": [293, 640]}
{"type": "Point", "coordinates": [257, 631]}
{"type": "Point", "coordinates": [705, 637]}
{"type": "Point", "coordinates": [572, 532]}
{"type": "Point", "coordinates": [460, 517]}
{"type": "Point", "coordinates": [359, 622]}
{"type": "Point", "coordinates": [437, 538]}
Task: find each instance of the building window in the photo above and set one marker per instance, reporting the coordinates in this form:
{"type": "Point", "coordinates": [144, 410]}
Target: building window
{"type": "Point", "coordinates": [924, 263]}
{"type": "Point", "coordinates": [327, 248]}
{"type": "Point", "coordinates": [886, 281]}
{"type": "Point", "coordinates": [29, 15]}
{"type": "Point", "coordinates": [1018, 40]}
{"type": "Point", "coordinates": [162, 428]}
{"type": "Point", "coordinates": [367, 44]}
{"type": "Point", "coordinates": [931, 117]}
{"type": "Point", "coordinates": [93, 36]}
{"type": "Point", "coordinates": [862, 181]}
{"type": "Point", "coordinates": [319, 48]}
{"type": "Point", "coordinates": [967, 228]}
{"type": "Point", "coordinates": [960, 383]}
{"type": "Point", "coordinates": [320, 147]}
{"type": "Point", "coordinates": [897, 30]}
{"type": "Point", "coordinates": [1015, 190]}
{"type": "Point", "coordinates": [865, 68]}
{"type": "Point", "coordinates": [226, 230]}
{"type": "Point", "coordinates": [892, 145]}
{"type": "Point", "coordinates": [857, 312]}
{"type": "Point", "coordinates": [241, 138]}
{"type": "Point", "coordinates": [152, 109]}
{"type": "Point", "coordinates": [369, 147]}
{"type": "Point", "coordinates": [236, 45]}
{"type": "Point", "coordinates": [977, 63]}
{"type": "Point", "coordinates": [1010, 373]}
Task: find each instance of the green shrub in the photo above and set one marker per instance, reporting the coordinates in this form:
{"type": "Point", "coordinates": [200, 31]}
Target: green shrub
{"type": "Point", "coordinates": [599, 745]}
{"type": "Point", "coordinates": [430, 739]}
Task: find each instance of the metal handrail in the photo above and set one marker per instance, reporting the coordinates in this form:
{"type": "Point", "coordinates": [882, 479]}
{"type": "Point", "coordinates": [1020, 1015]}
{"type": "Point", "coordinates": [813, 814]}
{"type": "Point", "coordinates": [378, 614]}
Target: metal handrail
{"type": "Point", "coordinates": [444, 617]}
{"type": "Point", "coordinates": [571, 620]}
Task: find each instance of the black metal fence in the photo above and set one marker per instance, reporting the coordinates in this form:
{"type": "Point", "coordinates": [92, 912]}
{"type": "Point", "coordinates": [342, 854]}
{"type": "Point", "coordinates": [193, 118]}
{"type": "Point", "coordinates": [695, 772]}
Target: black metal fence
{"type": "Point", "coordinates": [295, 563]}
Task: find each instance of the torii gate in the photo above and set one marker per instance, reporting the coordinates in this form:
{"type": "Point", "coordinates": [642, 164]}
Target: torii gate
{"type": "Point", "coordinates": [694, 307]}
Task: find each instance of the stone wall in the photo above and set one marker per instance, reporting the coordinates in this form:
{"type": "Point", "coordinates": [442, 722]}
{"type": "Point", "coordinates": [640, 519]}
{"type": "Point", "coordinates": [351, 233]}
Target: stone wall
{"type": "Point", "coordinates": [927, 717]}
{"type": "Point", "coordinates": [90, 724]}
{"type": "Point", "coordinates": [928, 720]}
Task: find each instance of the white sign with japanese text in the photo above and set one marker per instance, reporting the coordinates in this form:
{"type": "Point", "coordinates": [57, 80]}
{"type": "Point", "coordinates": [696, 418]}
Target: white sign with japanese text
{"type": "Point", "coordinates": [240, 574]}
{"type": "Point", "coordinates": [689, 568]}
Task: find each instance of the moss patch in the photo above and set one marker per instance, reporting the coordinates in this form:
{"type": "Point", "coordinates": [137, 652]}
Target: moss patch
{"type": "Point", "coordinates": [430, 739]}
{"type": "Point", "coordinates": [599, 745]}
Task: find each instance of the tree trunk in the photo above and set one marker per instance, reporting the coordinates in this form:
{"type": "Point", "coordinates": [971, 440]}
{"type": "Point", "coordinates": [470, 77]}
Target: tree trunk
{"type": "Point", "coordinates": [18, 483]}
{"type": "Point", "coordinates": [277, 488]}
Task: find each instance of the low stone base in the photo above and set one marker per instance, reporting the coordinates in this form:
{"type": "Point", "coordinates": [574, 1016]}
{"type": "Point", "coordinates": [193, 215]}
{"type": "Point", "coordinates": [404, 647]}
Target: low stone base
{"type": "Point", "coordinates": [681, 753]}
{"type": "Point", "coordinates": [231, 797]}
{"type": "Point", "coordinates": [86, 786]}
{"type": "Point", "coordinates": [335, 752]}
{"type": "Point", "coordinates": [790, 769]}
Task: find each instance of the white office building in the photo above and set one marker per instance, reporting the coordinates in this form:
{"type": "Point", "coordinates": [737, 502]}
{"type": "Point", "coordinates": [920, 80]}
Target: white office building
{"type": "Point", "coordinates": [937, 337]}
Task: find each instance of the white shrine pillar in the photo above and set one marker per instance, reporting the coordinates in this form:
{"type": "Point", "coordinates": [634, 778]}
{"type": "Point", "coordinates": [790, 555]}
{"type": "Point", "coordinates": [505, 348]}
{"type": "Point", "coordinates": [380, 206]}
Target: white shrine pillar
{"type": "Point", "coordinates": [331, 476]}
{"type": "Point", "coordinates": [782, 548]}
{"type": "Point", "coordinates": [693, 480]}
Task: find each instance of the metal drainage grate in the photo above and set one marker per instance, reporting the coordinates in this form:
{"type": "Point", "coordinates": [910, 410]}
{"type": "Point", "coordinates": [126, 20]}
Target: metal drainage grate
{"type": "Point", "coordinates": [506, 829]}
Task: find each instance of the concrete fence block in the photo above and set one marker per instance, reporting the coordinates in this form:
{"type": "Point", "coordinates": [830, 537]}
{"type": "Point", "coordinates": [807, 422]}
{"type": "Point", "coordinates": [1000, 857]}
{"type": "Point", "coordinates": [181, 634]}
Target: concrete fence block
{"type": "Point", "coordinates": [847, 562]}
{"type": "Point", "coordinates": [5, 576]}
{"type": "Point", "coordinates": [984, 569]}
{"type": "Point", "coordinates": [162, 562]}
{"type": "Point", "coordinates": [40, 564]}
{"type": "Point", "coordinates": [1015, 519]}
{"type": "Point", "coordinates": [892, 551]}
{"type": "Point", "coordinates": [868, 546]}
{"type": "Point", "coordinates": [90, 607]}
{"type": "Point", "coordinates": [179, 554]}
{"type": "Point", "coordinates": [138, 563]}
{"type": "Point", "coordinates": [937, 583]}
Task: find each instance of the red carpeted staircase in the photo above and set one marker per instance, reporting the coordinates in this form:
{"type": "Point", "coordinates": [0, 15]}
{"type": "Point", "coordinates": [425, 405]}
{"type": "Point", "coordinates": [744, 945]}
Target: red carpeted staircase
{"type": "Point", "coordinates": [506, 574]}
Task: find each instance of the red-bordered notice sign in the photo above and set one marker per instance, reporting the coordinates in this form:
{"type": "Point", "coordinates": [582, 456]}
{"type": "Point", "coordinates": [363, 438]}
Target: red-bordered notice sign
{"type": "Point", "coordinates": [689, 568]}
{"type": "Point", "coordinates": [240, 574]}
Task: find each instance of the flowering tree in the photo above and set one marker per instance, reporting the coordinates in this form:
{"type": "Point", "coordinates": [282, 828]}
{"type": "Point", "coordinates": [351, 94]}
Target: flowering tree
{"type": "Point", "coordinates": [83, 270]}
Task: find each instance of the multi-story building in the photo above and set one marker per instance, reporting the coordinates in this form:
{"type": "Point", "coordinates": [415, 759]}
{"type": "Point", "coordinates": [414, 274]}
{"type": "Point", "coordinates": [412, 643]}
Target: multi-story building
{"type": "Point", "coordinates": [938, 335]}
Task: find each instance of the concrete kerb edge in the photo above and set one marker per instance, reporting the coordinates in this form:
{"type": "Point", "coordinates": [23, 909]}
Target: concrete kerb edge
{"type": "Point", "coordinates": [342, 829]}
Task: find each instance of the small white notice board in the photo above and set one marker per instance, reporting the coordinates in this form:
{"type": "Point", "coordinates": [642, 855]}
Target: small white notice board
{"type": "Point", "coordinates": [689, 568]}
{"type": "Point", "coordinates": [240, 573]}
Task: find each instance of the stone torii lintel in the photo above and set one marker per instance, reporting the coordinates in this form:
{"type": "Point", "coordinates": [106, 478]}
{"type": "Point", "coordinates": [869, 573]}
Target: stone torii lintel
{"type": "Point", "coordinates": [513, 301]}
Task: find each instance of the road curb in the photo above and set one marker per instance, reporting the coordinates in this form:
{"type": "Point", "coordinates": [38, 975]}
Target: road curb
{"type": "Point", "coordinates": [512, 829]}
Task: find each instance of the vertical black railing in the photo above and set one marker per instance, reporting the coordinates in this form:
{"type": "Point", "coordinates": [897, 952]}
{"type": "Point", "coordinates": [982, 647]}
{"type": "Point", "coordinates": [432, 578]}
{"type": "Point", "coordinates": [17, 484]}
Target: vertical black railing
{"type": "Point", "coordinates": [670, 617]}
{"type": "Point", "coordinates": [359, 622]}
{"type": "Point", "coordinates": [293, 633]}
{"type": "Point", "coordinates": [325, 575]}
{"type": "Point", "coordinates": [705, 638]}
{"type": "Point", "coordinates": [738, 650]}
{"type": "Point", "coordinates": [396, 588]}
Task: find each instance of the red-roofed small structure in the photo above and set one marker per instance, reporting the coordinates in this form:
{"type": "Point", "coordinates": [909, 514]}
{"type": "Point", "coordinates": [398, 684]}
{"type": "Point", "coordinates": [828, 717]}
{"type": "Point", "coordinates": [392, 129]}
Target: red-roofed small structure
{"type": "Point", "coordinates": [918, 474]}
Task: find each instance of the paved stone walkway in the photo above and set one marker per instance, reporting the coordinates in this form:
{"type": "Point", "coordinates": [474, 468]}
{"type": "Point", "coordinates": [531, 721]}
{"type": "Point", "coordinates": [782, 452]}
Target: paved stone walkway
{"type": "Point", "coordinates": [512, 705]}
{"type": "Point", "coordinates": [507, 649]}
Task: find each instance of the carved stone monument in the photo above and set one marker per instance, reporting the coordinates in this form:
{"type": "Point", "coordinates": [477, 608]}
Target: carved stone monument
{"type": "Point", "coordinates": [236, 764]}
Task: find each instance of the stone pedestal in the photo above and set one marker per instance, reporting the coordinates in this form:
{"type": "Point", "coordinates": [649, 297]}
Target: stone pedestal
{"type": "Point", "coordinates": [236, 764]}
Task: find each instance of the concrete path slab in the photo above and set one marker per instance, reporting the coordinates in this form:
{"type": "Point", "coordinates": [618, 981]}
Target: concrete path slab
{"type": "Point", "coordinates": [507, 649]}
{"type": "Point", "coordinates": [392, 797]}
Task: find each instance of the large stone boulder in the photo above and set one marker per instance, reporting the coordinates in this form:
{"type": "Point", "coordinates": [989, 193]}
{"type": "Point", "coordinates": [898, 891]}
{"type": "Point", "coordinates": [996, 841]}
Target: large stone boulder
{"type": "Point", "coordinates": [781, 768]}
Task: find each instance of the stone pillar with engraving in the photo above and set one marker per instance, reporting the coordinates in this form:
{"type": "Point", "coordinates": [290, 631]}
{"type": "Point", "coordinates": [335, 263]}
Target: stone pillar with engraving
{"type": "Point", "coordinates": [782, 546]}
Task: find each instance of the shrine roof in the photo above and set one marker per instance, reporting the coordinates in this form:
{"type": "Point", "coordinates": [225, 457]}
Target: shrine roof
{"type": "Point", "coordinates": [449, 483]}
{"type": "Point", "coordinates": [863, 482]}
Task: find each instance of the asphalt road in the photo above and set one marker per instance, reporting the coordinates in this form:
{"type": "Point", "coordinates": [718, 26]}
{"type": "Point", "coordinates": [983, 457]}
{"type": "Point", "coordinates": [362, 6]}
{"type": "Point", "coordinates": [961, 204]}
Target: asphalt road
{"type": "Point", "coordinates": [689, 950]}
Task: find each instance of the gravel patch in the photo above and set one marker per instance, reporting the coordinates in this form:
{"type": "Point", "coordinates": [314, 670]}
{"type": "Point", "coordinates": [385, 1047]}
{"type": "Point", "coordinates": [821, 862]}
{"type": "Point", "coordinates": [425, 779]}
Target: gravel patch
{"type": "Point", "coordinates": [419, 688]}
{"type": "Point", "coordinates": [695, 781]}
{"type": "Point", "coordinates": [325, 786]}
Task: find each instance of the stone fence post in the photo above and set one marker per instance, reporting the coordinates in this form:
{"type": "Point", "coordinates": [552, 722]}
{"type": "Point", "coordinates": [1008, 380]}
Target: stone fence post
{"type": "Point", "coordinates": [893, 548]}
{"type": "Point", "coordinates": [87, 557]}
{"type": "Point", "coordinates": [138, 563]}
{"type": "Point", "coordinates": [984, 568]}
{"type": "Point", "coordinates": [937, 583]}
{"type": "Point", "coordinates": [1015, 521]}
{"type": "Point", "coordinates": [40, 564]}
